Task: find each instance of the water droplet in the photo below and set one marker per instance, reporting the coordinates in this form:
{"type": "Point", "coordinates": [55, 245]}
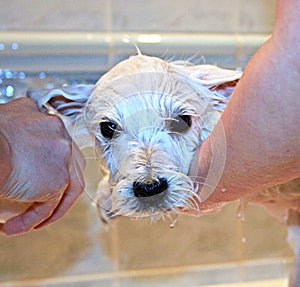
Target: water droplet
{"type": "Point", "coordinates": [8, 75]}
{"type": "Point", "coordinates": [22, 75]}
{"type": "Point", "coordinates": [172, 225]}
{"type": "Point", "coordinates": [42, 75]}
{"type": "Point", "coordinates": [126, 39]}
{"type": "Point", "coordinates": [284, 218]}
{"type": "Point", "coordinates": [242, 209]}
{"type": "Point", "coordinates": [10, 91]}
{"type": "Point", "coordinates": [223, 189]}
{"type": "Point", "coordinates": [107, 39]}
{"type": "Point", "coordinates": [56, 77]}
{"type": "Point", "coordinates": [174, 221]}
{"type": "Point", "coordinates": [14, 46]}
{"type": "Point", "coordinates": [50, 86]}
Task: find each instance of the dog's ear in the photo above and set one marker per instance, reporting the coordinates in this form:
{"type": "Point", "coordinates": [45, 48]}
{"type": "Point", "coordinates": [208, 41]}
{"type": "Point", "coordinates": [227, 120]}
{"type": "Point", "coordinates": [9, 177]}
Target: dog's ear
{"type": "Point", "coordinates": [68, 103]}
{"type": "Point", "coordinates": [68, 100]}
{"type": "Point", "coordinates": [213, 83]}
{"type": "Point", "coordinates": [220, 82]}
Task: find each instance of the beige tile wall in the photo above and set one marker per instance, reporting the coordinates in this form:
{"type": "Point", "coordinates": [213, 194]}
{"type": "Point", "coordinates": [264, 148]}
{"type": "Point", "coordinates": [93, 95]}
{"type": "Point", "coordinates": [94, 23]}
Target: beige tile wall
{"type": "Point", "coordinates": [80, 251]}
{"type": "Point", "coordinates": [234, 19]}
{"type": "Point", "coordinates": [225, 16]}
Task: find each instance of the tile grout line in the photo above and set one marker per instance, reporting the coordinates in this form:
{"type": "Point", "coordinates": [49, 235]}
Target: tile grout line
{"type": "Point", "coordinates": [116, 254]}
{"type": "Point", "coordinates": [109, 34]}
{"type": "Point", "coordinates": [141, 273]}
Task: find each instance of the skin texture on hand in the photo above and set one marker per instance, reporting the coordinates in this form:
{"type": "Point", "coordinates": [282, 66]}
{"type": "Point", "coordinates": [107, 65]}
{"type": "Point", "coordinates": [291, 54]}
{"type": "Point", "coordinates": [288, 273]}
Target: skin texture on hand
{"type": "Point", "coordinates": [5, 162]}
{"type": "Point", "coordinates": [261, 121]}
{"type": "Point", "coordinates": [44, 165]}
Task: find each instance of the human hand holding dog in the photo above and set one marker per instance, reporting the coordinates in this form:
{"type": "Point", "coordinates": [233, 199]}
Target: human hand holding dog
{"type": "Point", "coordinates": [261, 121]}
{"type": "Point", "coordinates": [253, 146]}
{"type": "Point", "coordinates": [40, 166]}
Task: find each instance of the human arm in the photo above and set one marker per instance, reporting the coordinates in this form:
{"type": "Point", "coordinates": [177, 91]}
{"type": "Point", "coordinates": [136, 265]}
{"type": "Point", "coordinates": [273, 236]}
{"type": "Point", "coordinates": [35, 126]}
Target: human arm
{"type": "Point", "coordinates": [5, 162]}
{"type": "Point", "coordinates": [261, 122]}
{"type": "Point", "coordinates": [43, 168]}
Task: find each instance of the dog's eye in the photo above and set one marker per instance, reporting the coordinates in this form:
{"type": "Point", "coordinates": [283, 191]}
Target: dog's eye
{"type": "Point", "coordinates": [108, 129]}
{"type": "Point", "coordinates": [180, 124]}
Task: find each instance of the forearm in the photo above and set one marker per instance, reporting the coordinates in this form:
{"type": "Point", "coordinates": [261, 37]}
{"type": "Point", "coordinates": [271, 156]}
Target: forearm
{"type": "Point", "coordinates": [262, 120]}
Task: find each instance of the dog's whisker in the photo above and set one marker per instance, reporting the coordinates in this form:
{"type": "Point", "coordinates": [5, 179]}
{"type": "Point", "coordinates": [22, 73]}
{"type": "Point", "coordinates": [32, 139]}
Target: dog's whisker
{"type": "Point", "coordinates": [194, 205]}
{"type": "Point", "coordinates": [194, 194]}
{"type": "Point", "coordinates": [174, 201]}
{"type": "Point", "coordinates": [166, 214]}
{"type": "Point", "coordinates": [187, 204]}
{"type": "Point", "coordinates": [153, 216]}
{"type": "Point", "coordinates": [204, 183]}
{"type": "Point", "coordinates": [199, 179]}
{"type": "Point", "coordinates": [100, 207]}
{"type": "Point", "coordinates": [123, 210]}
{"type": "Point", "coordinates": [113, 214]}
{"type": "Point", "coordinates": [189, 200]}
{"type": "Point", "coordinates": [169, 205]}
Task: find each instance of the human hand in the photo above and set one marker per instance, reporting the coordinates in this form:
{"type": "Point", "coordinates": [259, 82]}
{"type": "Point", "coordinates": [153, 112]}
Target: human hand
{"type": "Point", "coordinates": [46, 166]}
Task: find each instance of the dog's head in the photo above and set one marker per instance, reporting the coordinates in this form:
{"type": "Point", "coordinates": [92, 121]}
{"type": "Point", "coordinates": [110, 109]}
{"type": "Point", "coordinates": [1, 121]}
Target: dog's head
{"type": "Point", "coordinates": [147, 117]}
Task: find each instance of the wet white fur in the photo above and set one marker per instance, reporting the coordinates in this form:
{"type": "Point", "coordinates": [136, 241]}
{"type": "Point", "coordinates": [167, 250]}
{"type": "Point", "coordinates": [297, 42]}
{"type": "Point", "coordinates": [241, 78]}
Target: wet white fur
{"type": "Point", "coordinates": [143, 95]}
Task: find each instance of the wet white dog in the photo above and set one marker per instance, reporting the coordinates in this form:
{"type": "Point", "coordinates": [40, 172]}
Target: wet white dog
{"type": "Point", "coordinates": [145, 117]}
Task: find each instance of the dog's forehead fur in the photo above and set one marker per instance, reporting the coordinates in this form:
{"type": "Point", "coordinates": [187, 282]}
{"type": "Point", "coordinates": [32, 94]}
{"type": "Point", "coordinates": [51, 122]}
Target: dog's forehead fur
{"type": "Point", "coordinates": [133, 65]}
{"type": "Point", "coordinates": [146, 85]}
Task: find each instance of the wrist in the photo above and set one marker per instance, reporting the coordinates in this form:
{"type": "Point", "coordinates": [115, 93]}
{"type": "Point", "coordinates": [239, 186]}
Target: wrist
{"type": "Point", "coordinates": [5, 162]}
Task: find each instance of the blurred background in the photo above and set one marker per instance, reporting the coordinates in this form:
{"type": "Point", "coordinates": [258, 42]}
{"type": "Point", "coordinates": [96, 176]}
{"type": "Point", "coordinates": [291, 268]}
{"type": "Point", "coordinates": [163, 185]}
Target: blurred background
{"type": "Point", "coordinates": [53, 43]}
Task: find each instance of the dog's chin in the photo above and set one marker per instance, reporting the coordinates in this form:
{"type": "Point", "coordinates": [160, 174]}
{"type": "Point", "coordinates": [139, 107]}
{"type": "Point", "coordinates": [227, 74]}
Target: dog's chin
{"type": "Point", "coordinates": [140, 207]}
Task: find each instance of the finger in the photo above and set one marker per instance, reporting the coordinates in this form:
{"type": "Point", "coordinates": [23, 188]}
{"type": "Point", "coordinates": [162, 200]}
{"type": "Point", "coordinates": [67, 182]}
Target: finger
{"type": "Point", "coordinates": [74, 190]}
{"type": "Point", "coordinates": [34, 215]}
{"type": "Point", "coordinates": [24, 101]}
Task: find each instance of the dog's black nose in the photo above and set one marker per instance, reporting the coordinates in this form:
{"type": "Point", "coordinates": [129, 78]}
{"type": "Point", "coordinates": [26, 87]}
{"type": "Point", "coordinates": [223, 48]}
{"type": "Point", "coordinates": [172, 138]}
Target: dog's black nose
{"type": "Point", "coordinates": [142, 189]}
